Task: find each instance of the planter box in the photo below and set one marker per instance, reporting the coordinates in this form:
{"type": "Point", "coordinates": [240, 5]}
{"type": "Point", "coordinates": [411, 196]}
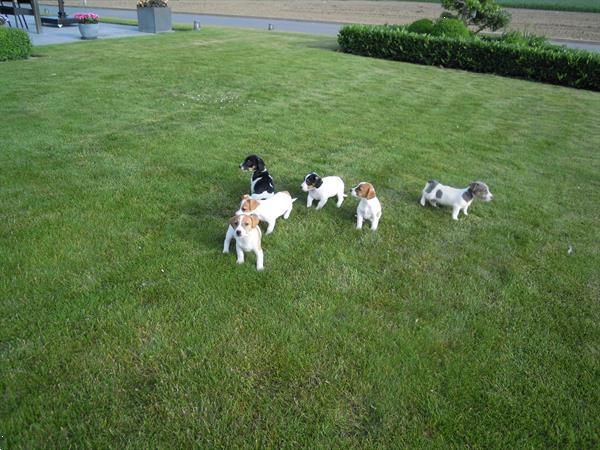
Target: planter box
{"type": "Point", "coordinates": [154, 20]}
{"type": "Point", "coordinates": [88, 30]}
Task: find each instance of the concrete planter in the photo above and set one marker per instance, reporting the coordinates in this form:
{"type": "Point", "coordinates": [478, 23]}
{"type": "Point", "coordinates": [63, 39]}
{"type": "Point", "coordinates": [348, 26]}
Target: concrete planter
{"type": "Point", "coordinates": [88, 30]}
{"type": "Point", "coordinates": [154, 20]}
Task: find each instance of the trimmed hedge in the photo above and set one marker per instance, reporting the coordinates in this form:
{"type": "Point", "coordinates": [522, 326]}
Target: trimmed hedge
{"type": "Point", "coordinates": [14, 44]}
{"type": "Point", "coordinates": [566, 67]}
{"type": "Point", "coordinates": [421, 26]}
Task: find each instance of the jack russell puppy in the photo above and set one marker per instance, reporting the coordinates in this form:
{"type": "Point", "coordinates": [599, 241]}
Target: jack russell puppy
{"type": "Point", "coordinates": [322, 189]}
{"type": "Point", "coordinates": [247, 238]}
{"type": "Point", "coordinates": [460, 199]}
{"type": "Point", "coordinates": [261, 183]}
{"type": "Point", "coordinates": [369, 207]}
{"type": "Point", "coordinates": [268, 210]}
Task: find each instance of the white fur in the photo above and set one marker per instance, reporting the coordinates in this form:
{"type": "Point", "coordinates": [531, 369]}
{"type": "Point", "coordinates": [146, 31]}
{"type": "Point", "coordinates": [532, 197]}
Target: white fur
{"type": "Point", "coordinates": [369, 209]}
{"type": "Point", "coordinates": [263, 195]}
{"type": "Point", "coordinates": [331, 187]}
{"type": "Point", "coordinates": [450, 197]}
{"type": "Point", "coordinates": [228, 237]}
{"type": "Point", "coordinates": [246, 241]}
{"type": "Point", "coordinates": [271, 209]}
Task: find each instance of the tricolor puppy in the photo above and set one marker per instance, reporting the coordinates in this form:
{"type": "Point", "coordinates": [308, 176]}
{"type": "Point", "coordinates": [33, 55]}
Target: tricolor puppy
{"type": "Point", "coordinates": [268, 210]}
{"type": "Point", "coordinates": [460, 199]}
{"type": "Point", "coordinates": [247, 236]}
{"type": "Point", "coordinates": [261, 183]}
{"type": "Point", "coordinates": [322, 189]}
{"type": "Point", "coordinates": [369, 207]}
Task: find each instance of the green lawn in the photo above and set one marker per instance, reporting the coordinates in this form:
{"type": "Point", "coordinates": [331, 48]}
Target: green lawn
{"type": "Point", "coordinates": [558, 5]}
{"type": "Point", "coordinates": [122, 324]}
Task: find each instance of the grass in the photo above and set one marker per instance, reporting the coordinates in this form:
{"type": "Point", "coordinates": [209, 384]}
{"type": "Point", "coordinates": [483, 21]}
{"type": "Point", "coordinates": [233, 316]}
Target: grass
{"type": "Point", "coordinates": [122, 324]}
{"type": "Point", "coordinates": [555, 5]}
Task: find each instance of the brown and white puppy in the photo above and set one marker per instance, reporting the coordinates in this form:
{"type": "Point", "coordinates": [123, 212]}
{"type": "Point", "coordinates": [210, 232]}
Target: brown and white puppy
{"type": "Point", "coordinates": [247, 236]}
{"type": "Point", "coordinates": [369, 207]}
{"type": "Point", "coordinates": [435, 193]}
{"type": "Point", "coordinates": [268, 210]}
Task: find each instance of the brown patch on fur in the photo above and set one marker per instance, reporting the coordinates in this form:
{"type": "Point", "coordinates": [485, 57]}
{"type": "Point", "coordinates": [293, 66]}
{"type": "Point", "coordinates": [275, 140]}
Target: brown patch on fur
{"type": "Point", "coordinates": [365, 190]}
{"type": "Point", "coordinates": [254, 218]}
{"type": "Point", "coordinates": [233, 221]}
{"type": "Point", "coordinates": [370, 192]}
{"type": "Point", "coordinates": [249, 204]}
{"type": "Point", "coordinates": [245, 196]}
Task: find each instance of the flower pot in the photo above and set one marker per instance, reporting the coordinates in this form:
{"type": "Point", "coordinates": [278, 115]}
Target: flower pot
{"type": "Point", "coordinates": [88, 30]}
{"type": "Point", "coordinates": [154, 20]}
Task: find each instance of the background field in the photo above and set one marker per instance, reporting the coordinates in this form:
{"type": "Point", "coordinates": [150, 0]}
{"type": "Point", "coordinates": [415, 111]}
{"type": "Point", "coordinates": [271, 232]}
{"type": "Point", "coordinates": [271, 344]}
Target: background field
{"type": "Point", "coordinates": [121, 323]}
{"type": "Point", "coordinates": [583, 26]}
{"type": "Point", "coordinates": [558, 5]}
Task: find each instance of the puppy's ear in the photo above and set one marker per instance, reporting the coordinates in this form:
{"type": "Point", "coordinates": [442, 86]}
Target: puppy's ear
{"type": "Point", "coordinates": [245, 196]}
{"type": "Point", "coordinates": [255, 220]}
{"type": "Point", "coordinates": [260, 164]}
{"type": "Point", "coordinates": [253, 204]}
{"type": "Point", "coordinates": [370, 192]}
{"type": "Point", "coordinates": [232, 221]}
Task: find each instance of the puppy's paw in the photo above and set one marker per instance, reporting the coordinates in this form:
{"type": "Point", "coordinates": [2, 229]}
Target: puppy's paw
{"type": "Point", "coordinates": [225, 251]}
{"type": "Point", "coordinates": [260, 268]}
{"type": "Point", "coordinates": [240, 262]}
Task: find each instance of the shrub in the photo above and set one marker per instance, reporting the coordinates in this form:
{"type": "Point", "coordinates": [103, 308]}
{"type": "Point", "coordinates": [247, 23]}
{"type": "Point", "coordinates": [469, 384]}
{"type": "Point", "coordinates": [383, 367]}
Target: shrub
{"type": "Point", "coordinates": [575, 68]}
{"type": "Point", "coordinates": [481, 14]}
{"type": "Point", "coordinates": [451, 28]}
{"type": "Point", "coordinates": [525, 39]}
{"type": "Point", "coordinates": [422, 26]}
{"type": "Point", "coordinates": [14, 44]}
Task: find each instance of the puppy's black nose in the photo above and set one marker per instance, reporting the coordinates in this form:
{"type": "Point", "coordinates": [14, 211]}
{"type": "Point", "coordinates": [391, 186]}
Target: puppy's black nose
{"type": "Point", "coordinates": [238, 232]}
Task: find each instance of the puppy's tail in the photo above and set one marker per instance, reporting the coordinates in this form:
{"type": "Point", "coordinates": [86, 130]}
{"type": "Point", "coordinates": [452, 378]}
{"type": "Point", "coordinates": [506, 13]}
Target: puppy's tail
{"type": "Point", "coordinates": [345, 195]}
{"type": "Point", "coordinates": [294, 199]}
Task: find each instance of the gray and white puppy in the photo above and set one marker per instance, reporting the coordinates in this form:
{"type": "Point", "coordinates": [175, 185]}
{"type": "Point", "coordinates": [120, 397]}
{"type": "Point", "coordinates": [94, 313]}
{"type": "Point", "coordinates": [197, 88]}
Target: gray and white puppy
{"type": "Point", "coordinates": [460, 199]}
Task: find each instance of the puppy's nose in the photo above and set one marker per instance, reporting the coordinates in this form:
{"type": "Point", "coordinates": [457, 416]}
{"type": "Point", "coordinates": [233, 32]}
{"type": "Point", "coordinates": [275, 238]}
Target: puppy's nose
{"type": "Point", "coordinates": [238, 232]}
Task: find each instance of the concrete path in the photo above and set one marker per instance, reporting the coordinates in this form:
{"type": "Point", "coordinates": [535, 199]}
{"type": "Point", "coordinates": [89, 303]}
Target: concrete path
{"type": "Point", "coordinates": [299, 26]}
{"type": "Point", "coordinates": [53, 35]}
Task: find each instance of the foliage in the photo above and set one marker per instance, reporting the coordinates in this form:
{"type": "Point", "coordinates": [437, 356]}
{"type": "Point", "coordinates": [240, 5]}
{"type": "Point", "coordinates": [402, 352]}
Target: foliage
{"type": "Point", "coordinates": [14, 44]}
{"type": "Point", "coordinates": [152, 3]}
{"type": "Point", "coordinates": [87, 18]}
{"type": "Point", "coordinates": [481, 14]}
{"type": "Point", "coordinates": [450, 27]}
{"type": "Point", "coordinates": [3, 20]}
{"type": "Point", "coordinates": [525, 39]}
{"type": "Point", "coordinates": [421, 26]}
{"type": "Point", "coordinates": [575, 68]}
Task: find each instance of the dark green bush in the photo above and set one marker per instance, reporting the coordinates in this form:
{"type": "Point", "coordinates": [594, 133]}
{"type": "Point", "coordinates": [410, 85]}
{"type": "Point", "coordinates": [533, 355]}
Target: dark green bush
{"type": "Point", "coordinates": [421, 26]}
{"type": "Point", "coordinates": [14, 44]}
{"type": "Point", "coordinates": [451, 28]}
{"type": "Point", "coordinates": [575, 68]}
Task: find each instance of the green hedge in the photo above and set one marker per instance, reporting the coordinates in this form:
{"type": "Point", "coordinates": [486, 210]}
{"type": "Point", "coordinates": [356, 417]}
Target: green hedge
{"type": "Point", "coordinates": [14, 44]}
{"type": "Point", "coordinates": [566, 67]}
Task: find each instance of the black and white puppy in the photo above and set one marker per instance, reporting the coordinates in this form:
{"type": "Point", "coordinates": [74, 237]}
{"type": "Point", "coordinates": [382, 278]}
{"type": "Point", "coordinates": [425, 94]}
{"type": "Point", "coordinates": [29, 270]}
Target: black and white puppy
{"type": "Point", "coordinates": [261, 183]}
{"type": "Point", "coordinates": [321, 189]}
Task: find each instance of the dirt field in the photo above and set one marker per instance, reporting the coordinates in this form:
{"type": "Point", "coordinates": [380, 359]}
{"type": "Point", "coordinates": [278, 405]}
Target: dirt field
{"type": "Point", "coordinates": [554, 24]}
